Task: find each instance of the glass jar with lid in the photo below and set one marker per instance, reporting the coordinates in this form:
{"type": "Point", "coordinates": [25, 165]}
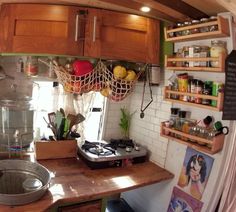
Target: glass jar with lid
{"type": "Point", "coordinates": [204, 28]}
{"type": "Point", "coordinates": [31, 66]}
{"type": "Point", "coordinates": [218, 47]}
{"type": "Point", "coordinates": [179, 33]}
{"type": "Point", "coordinates": [214, 27]}
{"type": "Point", "coordinates": [205, 52]}
{"type": "Point", "coordinates": [195, 30]}
{"type": "Point", "coordinates": [186, 31]}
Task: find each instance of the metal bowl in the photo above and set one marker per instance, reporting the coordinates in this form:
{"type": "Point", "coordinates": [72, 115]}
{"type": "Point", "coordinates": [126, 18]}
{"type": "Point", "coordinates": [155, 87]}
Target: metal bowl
{"type": "Point", "coordinates": [22, 182]}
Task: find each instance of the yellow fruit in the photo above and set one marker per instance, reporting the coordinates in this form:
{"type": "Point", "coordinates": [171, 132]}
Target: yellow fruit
{"type": "Point", "coordinates": [131, 75]}
{"type": "Point", "coordinates": [105, 91]}
{"type": "Point", "coordinates": [119, 72]}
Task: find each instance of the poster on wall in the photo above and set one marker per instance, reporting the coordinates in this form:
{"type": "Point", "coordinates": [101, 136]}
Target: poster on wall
{"type": "Point", "coordinates": [181, 201]}
{"type": "Point", "coordinates": [195, 172]}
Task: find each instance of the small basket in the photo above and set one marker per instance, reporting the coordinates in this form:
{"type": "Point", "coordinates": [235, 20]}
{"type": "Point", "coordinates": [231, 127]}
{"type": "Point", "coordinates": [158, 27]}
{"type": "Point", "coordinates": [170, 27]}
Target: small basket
{"type": "Point", "coordinates": [97, 80]}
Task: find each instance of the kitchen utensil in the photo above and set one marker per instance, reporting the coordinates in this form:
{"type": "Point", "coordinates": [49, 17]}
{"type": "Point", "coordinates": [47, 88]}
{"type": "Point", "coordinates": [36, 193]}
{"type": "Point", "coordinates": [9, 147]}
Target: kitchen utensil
{"type": "Point", "coordinates": [60, 130]}
{"type": "Point", "coordinates": [59, 118]}
{"type": "Point", "coordinates": [75, 119]}
{"type": "Point", "coordinates": [52, 118]}
{"type": "Point", "coordinates": [62, 112]}
{"type": "Point", "coordinates": [14, 177]}
{"type": "Point", "coordinates": [74, 134]}
{"type": "Point", "coordinates": [52, 127]}
{"type": "Point", "coordinates": [150, 90]}
{"type": "Point", "coordinates": [3, 74]}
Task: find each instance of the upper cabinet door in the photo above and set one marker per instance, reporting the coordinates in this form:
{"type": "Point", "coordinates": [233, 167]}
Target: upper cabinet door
{"type": "Point", "coordinates": [121, 36]}
{"type": "Point", "coordinates": [49, 29]}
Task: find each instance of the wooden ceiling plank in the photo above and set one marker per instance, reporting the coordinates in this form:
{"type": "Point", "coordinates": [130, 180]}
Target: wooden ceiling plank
{"type": "Point", "coordinates": [173, 13]}
{"type": "Point", "coordinates": [136, 7]}
{"type": "Point", "coordinates": [183, 8]}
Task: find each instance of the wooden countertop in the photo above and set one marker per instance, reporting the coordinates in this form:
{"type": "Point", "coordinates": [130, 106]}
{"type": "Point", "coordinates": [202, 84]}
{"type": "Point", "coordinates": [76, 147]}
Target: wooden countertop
{"type": "Point", "coordinates": [72, 181]}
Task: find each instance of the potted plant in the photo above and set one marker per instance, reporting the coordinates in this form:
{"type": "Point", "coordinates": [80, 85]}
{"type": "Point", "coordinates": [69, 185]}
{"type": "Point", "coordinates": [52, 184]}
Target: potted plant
{"type": "Point", "coordinates": [125, 121]}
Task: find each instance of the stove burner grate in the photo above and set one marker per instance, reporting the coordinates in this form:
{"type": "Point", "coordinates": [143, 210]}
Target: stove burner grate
{"type": "Point", "coordinates": [97, 148]}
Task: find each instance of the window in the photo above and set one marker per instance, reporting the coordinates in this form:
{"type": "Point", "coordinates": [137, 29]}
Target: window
{"type": "Point", "coordinates": [50, 97]}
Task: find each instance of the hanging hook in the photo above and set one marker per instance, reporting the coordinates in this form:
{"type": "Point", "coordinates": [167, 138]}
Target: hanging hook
{"type": "Point", "coordinates": [147, 77]}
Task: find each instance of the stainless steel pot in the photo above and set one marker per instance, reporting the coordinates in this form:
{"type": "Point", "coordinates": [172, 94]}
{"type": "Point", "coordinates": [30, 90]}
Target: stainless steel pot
{"type": "Point", "coordinates": [15, 176]}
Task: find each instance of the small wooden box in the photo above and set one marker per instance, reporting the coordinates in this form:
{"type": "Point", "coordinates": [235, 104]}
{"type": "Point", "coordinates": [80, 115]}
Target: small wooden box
{"type": "Point", "coordinates": [55, 149]}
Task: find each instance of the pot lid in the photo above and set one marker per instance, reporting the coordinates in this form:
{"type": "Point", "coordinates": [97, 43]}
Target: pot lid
{"type": "Point", "coordinates": [16, 99]}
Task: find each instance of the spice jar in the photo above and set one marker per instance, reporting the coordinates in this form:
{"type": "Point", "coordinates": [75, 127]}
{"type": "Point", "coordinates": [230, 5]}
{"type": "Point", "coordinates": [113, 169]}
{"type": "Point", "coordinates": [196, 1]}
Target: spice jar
{"type": "Point", "coordinates": [194, 51]}
{"type": "Point", "coordinates": [207, 88]}
{"type": "Point", "coordinates": [186, 31]}
{"type": "Point", "coordinates": [179, 33]}
{"type": "Point", "coordinates": [195, 30]}
{"type": "Point", "coordinates": [173, 117]}
{"type": "Point", "coordinates": [185, 53]}
{"type": "Point", "coordinates": [191, 89]}
{"type": "Point", "coordinates": [179, 54]}
{"type": "Point", "coordinates": [183, 85]}
{"type": "Point", "coordinates": [218, 47]}
{"type": "Point", "coordinates": [204, 52]}
{"type": "Point", "coordinates": [198, 90]}
{"type": "Point", "coordinates": [181, 120]}
{"type": "Point", "coordinates": [205, 28]}
{"type": "Point", "coordinates": [185, 129]}
{"type": "Point", "coordinates": [31, 66]}
{"type": "Point", "coordinates": [171, 34]}
{"type": "Point", "coordinates": [214, 27]}
{"type": "Point", "coordinates": [216, 88]}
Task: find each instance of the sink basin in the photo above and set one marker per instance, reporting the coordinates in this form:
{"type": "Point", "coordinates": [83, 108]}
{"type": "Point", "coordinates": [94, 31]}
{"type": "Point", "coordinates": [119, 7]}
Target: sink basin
{"type": "Point", "coordinates": [22, 182]}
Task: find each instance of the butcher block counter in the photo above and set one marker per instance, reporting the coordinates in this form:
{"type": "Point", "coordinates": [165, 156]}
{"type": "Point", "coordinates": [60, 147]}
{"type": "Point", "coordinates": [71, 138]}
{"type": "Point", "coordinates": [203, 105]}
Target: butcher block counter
{"type": "Point", "coordinates": [73, 182]}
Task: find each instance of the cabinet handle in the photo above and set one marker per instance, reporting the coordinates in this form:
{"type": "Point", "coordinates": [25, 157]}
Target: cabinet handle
{"type": "Point", "coordinates": [76, 27]}
{"type": "Point", "coordinates": [94, 28]}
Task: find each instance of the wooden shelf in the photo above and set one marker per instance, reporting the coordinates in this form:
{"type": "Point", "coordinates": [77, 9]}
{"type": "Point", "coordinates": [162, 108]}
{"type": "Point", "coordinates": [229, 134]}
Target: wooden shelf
{"type": "Point", "coordinates": [219, 99]}
{"type": "Point", "coordinates": [221, 60]}
{"type": "Point", "coordinates": [213, 147]}
{"type": "Point", "coordinates": [223, 31]}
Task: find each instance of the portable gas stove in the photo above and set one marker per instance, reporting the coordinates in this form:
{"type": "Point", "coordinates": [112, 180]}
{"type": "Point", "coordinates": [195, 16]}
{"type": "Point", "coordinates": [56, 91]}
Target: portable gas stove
{"type": "Point", "coordinates": [115, 153]}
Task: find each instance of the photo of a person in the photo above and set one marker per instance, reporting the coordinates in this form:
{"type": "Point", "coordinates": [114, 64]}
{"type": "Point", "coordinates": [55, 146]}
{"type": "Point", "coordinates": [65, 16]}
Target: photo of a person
{"type": "Point", "coordinates": [183, 202]}
{"type": "Point", "coordinates": [195, 172]}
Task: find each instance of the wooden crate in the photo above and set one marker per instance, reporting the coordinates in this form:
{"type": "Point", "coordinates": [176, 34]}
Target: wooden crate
{"type": "Point", "coordinates": [216, 144]}
{"type": "Point", "coordinates": [55, 149]}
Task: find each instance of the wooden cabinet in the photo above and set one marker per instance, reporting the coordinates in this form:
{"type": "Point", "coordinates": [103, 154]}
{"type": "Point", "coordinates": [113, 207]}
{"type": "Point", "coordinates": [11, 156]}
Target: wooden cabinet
{"type": "Point", "coordinates": [120, 36]}
{"type": "Point", "coordinates": [36, 28]}
{"type": "Point", "coordinates": [78, 31]}
{"type": "Point", "coordinates": [93, 206]}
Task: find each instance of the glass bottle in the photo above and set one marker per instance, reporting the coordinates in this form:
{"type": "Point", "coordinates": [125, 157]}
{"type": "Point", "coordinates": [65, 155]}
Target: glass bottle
{"type": "Point", "coordinates": [173, 117]}
{"type": "Point", "coordinates": [205, 28]}
{"type": "Point", "coordinates": [31, 66]}
{"type": "Point", "coordinates": [195, 30]}
{"type": "Point", "coordinates": [218, 47]}
{"type": "Point", "coordinates": [181, 119]}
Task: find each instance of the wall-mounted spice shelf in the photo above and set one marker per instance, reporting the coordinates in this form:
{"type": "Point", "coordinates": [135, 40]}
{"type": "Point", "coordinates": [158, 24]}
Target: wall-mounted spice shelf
{"type": "Point", "coordinates": [219, 99]}
{"type": "Point", "coordinates": [201, 144]}
{"type": "Point", "coordinates": [221, 23]}
{"type": "Point", "coordinates": [170, 61]}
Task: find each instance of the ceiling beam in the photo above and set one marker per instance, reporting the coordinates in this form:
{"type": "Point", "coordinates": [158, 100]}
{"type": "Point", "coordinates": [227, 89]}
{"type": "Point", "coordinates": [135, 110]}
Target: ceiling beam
{"type": "Point", "coordinates": [136, 5]}
{"type": "Point", "coordinates": [183, 8]}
